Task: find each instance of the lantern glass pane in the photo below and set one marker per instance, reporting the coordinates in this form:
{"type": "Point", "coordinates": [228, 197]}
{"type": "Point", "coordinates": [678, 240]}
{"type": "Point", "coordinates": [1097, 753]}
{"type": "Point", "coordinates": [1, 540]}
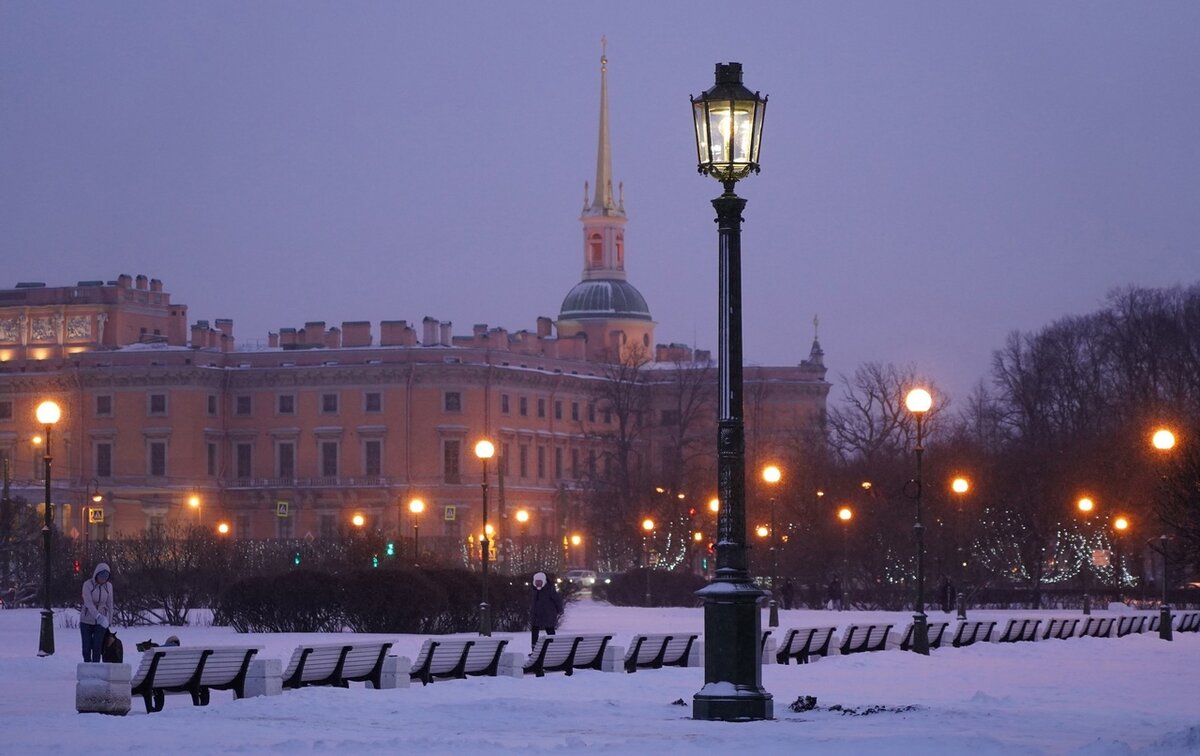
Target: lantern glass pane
{"type": "Point", "coordinates": [698, 113]}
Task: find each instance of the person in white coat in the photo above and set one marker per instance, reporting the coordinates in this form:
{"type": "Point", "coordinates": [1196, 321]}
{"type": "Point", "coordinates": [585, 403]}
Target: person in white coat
{"type": "Point", "coordinates": [96, 613]}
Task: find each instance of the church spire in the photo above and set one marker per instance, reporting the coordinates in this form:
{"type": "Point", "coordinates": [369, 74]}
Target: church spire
{"type": "Point", "coordinates": [603, 202]}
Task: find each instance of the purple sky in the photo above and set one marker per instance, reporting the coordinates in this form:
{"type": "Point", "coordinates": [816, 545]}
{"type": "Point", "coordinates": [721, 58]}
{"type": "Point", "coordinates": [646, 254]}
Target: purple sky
{"type": "Point", "coordinates": [934, 175]}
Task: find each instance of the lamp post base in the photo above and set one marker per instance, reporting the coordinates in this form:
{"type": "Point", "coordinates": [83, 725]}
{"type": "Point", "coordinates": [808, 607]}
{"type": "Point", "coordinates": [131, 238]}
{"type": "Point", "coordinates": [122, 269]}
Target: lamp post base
{"type": "Point", "coordinates": [46, 636]}
{"type": "Point", "coordinates": [773, 615]}
{"type": "Point", "coordinates": [920, 643]}
{"type": "Point", "coordinates": [1164, 622]}
{"type": "Point", "coordinates": [732, 655]}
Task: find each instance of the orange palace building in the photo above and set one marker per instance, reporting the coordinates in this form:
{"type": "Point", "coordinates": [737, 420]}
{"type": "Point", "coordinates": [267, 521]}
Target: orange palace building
{"type": "Point", "coordinates": [174, 423]}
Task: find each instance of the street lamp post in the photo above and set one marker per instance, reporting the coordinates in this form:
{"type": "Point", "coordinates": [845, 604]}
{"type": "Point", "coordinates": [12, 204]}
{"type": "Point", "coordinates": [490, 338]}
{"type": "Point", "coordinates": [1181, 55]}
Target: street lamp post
{"type": "Point", "coordinates": [1085, 505]}
{"type": "Point", "coordinates": [845, 514]}
{"type": "Point", "coordinates": [485, 450]}
{"type": "Point", "coordinates": [772, 476]}
{"type": "Point", "coordinates": [194, 503]}
{"type": "Point", "coordinates": [647, 531]}
{"type": "Point", "coordinates": [85, 516]}
{"type": "Point", "coordinates": [1164, 441]}
{"type": "Point", "coordinates": [522, 521]}
{"type": "Point", "coordinates": [728, 121]}
{"type": "Point", "coordinates": [960, 486]}
{"type": "Point", "coordinates": [919, 402]}
{"type": "Point", "coordinates": [1120, 525]}
{"type": "Point", "coordinates": [48, 413]}
{"type": "Point", "coordinates": [416, 507]}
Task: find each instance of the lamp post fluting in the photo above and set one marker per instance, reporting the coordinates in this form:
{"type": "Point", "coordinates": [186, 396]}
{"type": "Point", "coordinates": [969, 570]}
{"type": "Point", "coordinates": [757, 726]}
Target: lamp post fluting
{"type": "Point", "coordinates": [485, 450]}
{"type": "Point", "coordinates": [728, 121]}
{"type": "Point", "coordinates": [919, 402]}
{"type": "Point", "coordinates": [48, 413]}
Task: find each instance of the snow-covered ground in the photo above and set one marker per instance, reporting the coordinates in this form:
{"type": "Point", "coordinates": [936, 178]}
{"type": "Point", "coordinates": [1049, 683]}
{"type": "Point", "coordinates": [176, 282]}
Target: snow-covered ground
{"type": "Point", "coordinates": [1090, 696]}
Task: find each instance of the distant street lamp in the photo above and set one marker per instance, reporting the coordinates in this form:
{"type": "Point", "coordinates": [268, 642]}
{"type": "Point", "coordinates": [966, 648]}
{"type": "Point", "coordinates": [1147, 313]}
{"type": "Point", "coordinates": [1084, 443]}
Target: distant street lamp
{"type": "Point", "coordinates": [522, 516]}
{"type": "Point", "coordinates": [1120, 525]}
{"type": "Point", "coordinates": [845, 515]}
{"type": "Point", "coordinates": [1164, 441]}
{"type": "Point", "coordinates": [416, 507]}
{"type": "Point", "coordinates": [194, 503]}
{"type": "Point", "coordinates": [960, 486]}
{"type": "Point", "coordinates": [85, 516]}
{"type": "Point", "coordinates": [48, 413]}
{"type": "Point", "coordinates": [223, 528]}
{"type": "Point", "coordinates": [358, 520]}
{"type": "Point", "coordinates": [728, 122]}
{"type": "Point", "coordinates": [771, 476]}
{"type": "Point", "coordinates": [1085, 505]}
{"type": "Point", "coordinates": [648, 526]}
{"type": "Point", "coordinates": [919, 402]}
{"type": "Point", "coordinates": [484, 450]}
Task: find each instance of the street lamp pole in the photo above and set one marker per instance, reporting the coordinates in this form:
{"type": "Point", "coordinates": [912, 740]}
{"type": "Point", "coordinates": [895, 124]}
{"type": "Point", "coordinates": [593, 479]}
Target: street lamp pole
{"type": "Point", "coordinates": [1120, 525]}
{"type": "Point", "coordinates": [1086, 505]}
{"type": "Point", "coordinates": [845, 514]}
{"type": "Point", "coordinates": [484, 450]}
{"type": "Point", "coordinates": [960, 486]}
{"type": "Point", "coordinates": [772, 475]}
{"type": "Point", "coordinates": [728, 121]}
{"type": "Point", "coordinates": [48, 413]}
{"type": "Point", "coordinates": [1164, 441]}
{"type": "Point", "coordinates": [919, 402]}
{"type": "Point", "coordinates": [416, 507]}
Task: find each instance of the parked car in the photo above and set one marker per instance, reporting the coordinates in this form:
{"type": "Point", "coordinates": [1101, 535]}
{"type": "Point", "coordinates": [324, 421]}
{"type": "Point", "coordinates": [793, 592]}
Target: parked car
{"type": "Point", "coordinates": [584, 578]}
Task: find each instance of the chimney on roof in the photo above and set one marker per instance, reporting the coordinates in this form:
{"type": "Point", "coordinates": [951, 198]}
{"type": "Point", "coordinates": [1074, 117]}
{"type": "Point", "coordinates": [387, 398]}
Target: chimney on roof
{"type": "Point", "coordinates": [225, 326]}
{"type": "Point", "coordinates": [356, 333]}
{"type": "Point", "coordinates": [314, 332]}
{"type": "Point", "coordinates": [429, 331]}
{"type": "Point", "coordinates": [447, 336]}
{"type": "Point", "coordinates": [142, 282]}
{"type": "Point", "coordinates": [396, 333]}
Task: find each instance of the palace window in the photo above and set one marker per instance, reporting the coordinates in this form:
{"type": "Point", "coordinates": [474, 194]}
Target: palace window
{"type": "Point", "coordinates": [103, 406]}
{"type": "Point", "coordinates": [243, 405]}
{"type": "Point", "coordinates": [158, 404]}
{"type": "Point", "coordinates": [453, 401]}
{"type": "Point", "coordinates": [329, 404]}
{"type": "Point", "coordinates": [287, 404]}
{"type": "Point", "coordinates": [372, 402]}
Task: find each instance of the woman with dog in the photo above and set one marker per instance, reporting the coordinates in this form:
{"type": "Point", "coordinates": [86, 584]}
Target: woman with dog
{"type": "Point", "coordinates": [96, 613]}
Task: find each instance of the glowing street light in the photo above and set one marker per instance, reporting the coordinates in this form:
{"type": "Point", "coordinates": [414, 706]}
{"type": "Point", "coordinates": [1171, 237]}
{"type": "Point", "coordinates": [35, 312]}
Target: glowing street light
{"type": "Point", "coordinates": [415, 508]}
{"type": "Point", "coordinates": [48, 413]}
{"type": "Point", "coordinates": [484, 450]}
{"type": "Point", "coordinates": [1164, 441]}
{"type": "Point", "coordinates": [358, 520]}
{"type": "Point", "coordinates": [771, 476]}
{"type": "Point", "coordinates": [1086, 506]}
{"type": "Point", "coordinates": [919, 401]}
{"type": "Point", "coordinates": [845, 515]}
{"type": "Point", "coordinates": [1120, 526]}
{"type": "Point", "coordinates": [223, 528]}
{"type": "Point", "coordinates": [728, 121]}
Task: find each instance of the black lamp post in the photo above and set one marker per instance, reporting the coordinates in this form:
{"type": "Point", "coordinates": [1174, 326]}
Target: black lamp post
{"type": "Point", "coordinates": [918, 402]}
{"type": "Point", "coordinates": [845, 514]}
{"type": "Point", "coordinates": [772, 476]}
{"type": "Point", "coordinates": [416, 507]}
{"type": "Point", "coordinates": [1164, 441]}
{"type": "Point", "coordinates": [1085, 505]}
{"type": "Point", "coordinates": [48, 413]}
{"type": "Point", "coordinates": [960, 486]}
{"type": "Point", "coordinates": [1120, 525]}
{"type": "Point", "coordinates": [728, 121]}
{"type": "Point", "coordinates": [485, 450]}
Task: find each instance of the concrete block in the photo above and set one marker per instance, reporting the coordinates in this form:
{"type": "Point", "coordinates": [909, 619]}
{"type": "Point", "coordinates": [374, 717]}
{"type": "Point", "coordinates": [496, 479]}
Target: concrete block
{"type": "Point", "coordinates": [102, 688]}
{"type": "Point", "coordinates": [614, 659]}
{"type": "Point", "coordinates": [769, 650]}
{"type": "Point", "coordinates": [696, 655]}
{"type": "Point", "coordinates": [395, 672]}
{"type": "Point", "coordinates": [512, 664]}
{"type": "Point", "coordinates": [264, 678]}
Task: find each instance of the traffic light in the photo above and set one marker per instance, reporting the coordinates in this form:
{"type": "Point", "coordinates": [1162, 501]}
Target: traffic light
{"type": "Point", "coordinates": [391, 549]}
{"type": "Point", "coordinates": [374, 560]}
{"type": "Point", "coordinates": [296, 557]}
{"type": "Point", "coordinates": [76, 566]}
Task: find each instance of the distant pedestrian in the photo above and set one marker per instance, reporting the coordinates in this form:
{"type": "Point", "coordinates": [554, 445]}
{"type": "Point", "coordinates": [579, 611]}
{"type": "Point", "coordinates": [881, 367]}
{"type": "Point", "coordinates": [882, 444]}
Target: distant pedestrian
{"type": "Point", "coordinates": [96, 613]}
{"type": "Point", "coordinates": [835, 594]}
{"type": "Point", "coordinates": [788, 593]}
{"type": "Point", "coordinates": [544, 607]}
{"type": "Point", "coordinates": [947, 594]}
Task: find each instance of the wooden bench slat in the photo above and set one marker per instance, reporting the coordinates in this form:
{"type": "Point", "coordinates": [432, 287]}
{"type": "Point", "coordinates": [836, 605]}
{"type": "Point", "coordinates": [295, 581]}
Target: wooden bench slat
{"type": "Point", "coordinates": [567, 653]}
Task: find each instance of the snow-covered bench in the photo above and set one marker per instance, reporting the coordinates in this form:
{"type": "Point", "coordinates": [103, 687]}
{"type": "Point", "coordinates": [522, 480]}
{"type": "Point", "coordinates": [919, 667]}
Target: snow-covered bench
{"type": "Point", "coordinates": [191, 669]}
{"type": "Point", "coordinates": [1060, 628]}
{"type": "Point", "coordinates": [336, 664]}
{"type": "Point", "coordinates": [1019, 629]}
{"type": "Point", "coordinates": [1099, 627]}
{"type": "Point", "coordinates": [456, 658]}
{"type": "Point", "coordinates": [1129, 624]}
{"type": "Point", "coordinates": [934, 631]}
{"type": "Point", "coordinates": [1188, 622]}
{"type": "Point", "coordinates": [800, 643]}
{"type": "Point", "coordinates": [658, 651]}
{"type": "Point", "coordinates": [973, 631]}
{"type": "Point", "coordinates": [567, 653]}
{"type": "Point", "coordinates": [860, 638]}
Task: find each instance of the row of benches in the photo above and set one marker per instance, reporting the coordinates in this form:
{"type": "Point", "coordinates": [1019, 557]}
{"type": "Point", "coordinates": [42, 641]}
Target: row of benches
{"type": "Point", "coordinates": [197, 671]}
{"type": "Point", "coordinates": [800, 644]}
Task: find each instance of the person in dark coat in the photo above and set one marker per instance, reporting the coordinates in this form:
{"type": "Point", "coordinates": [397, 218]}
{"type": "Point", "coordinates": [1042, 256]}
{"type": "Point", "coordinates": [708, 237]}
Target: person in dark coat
{"type": "Point", "coordinates": [835, 594]}
{"type": "Point", "coordinates": [544, 607]}
{"type": "Point", "coordinates": [947, 593]}
{"type": "Point", "coordinates": [788, 593]}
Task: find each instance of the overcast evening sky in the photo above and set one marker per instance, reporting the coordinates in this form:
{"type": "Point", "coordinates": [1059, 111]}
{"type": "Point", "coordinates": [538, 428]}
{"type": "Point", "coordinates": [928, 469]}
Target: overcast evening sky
{"type": "Point", "coordinates": [934, 175]}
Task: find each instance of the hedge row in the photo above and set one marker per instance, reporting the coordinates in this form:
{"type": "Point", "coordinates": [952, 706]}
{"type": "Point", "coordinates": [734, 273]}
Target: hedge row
{"type": "Point", "coordinates": [400, 600]}
{"type": "Point", "coordinates": [643, 587]}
